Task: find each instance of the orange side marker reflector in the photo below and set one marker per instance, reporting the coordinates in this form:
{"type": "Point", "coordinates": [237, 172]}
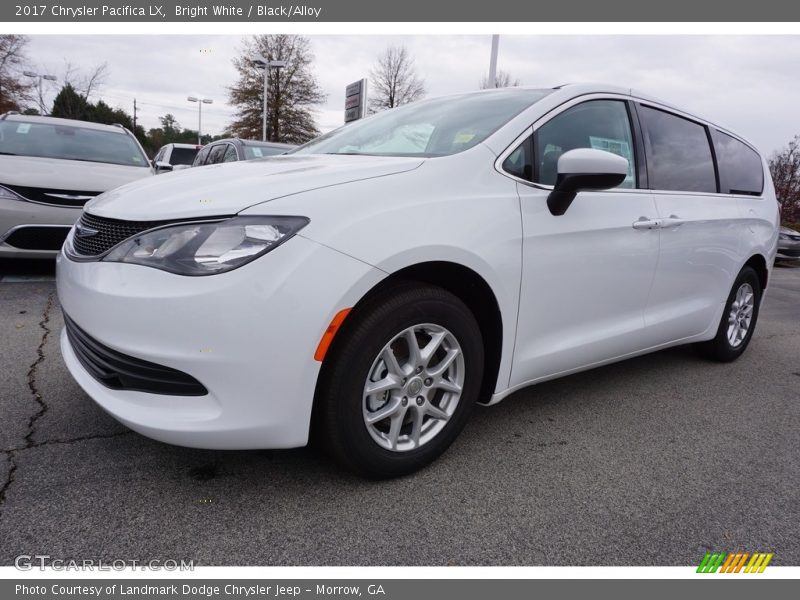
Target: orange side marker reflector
{"type": "Point", "coordinates": [330, 332]}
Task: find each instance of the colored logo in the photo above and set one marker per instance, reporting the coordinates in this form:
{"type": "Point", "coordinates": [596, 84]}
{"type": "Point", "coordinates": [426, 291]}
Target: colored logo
{"type": "Point", "coordinates": [734, 562]}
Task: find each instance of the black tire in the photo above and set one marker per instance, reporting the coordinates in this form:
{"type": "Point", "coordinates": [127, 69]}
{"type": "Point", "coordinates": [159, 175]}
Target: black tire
{"type": "Point", "coordinates": [720, 348]}
{"type": "Point", "coordinates": [339, 425]}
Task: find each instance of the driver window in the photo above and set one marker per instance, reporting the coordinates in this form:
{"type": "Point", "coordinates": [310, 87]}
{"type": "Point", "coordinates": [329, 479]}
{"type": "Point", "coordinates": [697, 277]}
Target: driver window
{"type": "Point", "coordinates": [598, 124]}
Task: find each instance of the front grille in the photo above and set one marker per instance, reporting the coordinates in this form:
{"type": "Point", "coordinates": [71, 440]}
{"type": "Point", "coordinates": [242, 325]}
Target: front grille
{"type": "Point", "coordinates": [38, 238]}
{"type": "Point", "coordinates": [119, 371]}
{"type": "Point", "coordinates": [73, 198]}
{"type": "Point", "coordinates": [110, 232]}
{"type": "Point", "coordinates": [793, 252]}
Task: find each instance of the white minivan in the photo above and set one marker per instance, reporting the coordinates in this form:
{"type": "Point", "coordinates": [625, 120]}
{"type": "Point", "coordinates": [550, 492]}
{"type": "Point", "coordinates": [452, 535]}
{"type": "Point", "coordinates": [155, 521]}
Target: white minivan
{"type": "Point", "coordinates": [373, 285]}
{"type": "Point", "coordinates": [50, 168]}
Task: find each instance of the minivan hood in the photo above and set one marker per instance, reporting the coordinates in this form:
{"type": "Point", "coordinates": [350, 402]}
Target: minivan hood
{"type": "Point", "coordinates": [61, 174]}
{"type": "Point", "coordinates": [228, 188]}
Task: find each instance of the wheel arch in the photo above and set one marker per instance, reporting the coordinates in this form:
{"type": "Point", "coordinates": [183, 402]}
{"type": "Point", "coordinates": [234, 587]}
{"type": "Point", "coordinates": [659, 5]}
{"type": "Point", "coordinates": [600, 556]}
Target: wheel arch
{"type": "Point", "coordinates": [759, 265]}
{"type": "Point", "coordinates": [463, 282]}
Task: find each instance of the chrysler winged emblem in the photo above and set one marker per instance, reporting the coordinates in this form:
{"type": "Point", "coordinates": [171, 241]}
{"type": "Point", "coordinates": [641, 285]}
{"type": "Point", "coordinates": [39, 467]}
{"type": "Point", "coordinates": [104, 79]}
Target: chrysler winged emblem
{"type": "Point", "coordinates": [83, 231]}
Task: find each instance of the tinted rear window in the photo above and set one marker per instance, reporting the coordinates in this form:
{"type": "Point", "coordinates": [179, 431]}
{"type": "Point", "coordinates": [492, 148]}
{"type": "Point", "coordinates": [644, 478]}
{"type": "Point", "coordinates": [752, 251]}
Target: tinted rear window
{"type": "Point", "coordinates": [740, 168]}
{"type": "Point", "coordinates": [182, 156]}
{"type": "Point", "coordinates": [678, 153]}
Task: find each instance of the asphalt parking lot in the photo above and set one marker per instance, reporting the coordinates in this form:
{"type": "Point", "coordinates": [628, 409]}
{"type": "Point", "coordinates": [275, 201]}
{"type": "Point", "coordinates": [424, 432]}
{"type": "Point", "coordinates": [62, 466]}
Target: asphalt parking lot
{"type": "Point", "coordinates": [653, 461]}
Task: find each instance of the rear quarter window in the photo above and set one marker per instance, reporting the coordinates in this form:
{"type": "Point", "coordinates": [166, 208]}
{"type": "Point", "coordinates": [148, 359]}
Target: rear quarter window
{"type": "Point", "coordinates": [740, 167]}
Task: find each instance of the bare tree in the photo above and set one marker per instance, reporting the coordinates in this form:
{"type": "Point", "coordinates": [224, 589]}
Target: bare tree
{"type": "Point", "coordinates": [14, 90]}
{"type": "Point", "coordinates": [85, 82]}
{"type": "Point", "coordinates": [82, 82]}
{"type": "Point", "coordinates": [502, 79]}
{"type": "Point", "coordinates": [394, 80]}
{"type": "Point", "coordinates": [784, 167]}
{"type": "Point", "coordinates": [293, 90]}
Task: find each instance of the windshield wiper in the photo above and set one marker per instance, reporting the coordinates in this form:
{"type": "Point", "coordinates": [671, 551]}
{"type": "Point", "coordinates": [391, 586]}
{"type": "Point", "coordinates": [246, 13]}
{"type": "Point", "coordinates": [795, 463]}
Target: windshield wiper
{"type": "Point", "coordinates": [9, 153]}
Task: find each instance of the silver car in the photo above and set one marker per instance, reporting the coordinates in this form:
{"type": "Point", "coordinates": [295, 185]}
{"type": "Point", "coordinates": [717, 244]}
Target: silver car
{"type": "Point", "coordinates": [49, 168]}
{"type": "Point", "coordinates": [788, 245]}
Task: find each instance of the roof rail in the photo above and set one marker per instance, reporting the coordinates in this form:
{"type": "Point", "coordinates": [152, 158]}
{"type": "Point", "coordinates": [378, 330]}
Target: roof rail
{"type": "Point", "coordinates": [10, 112]}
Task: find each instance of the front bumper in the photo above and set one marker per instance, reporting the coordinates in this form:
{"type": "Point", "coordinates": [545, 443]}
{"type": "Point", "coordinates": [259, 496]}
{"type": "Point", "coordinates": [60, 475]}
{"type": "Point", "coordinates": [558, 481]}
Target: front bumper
{"type": "Point", "coordinates": [248, 336]}
{"type": "Point", "coordinates": [16, 215]}
{"type": "Point", "coordinates": [788, 250]}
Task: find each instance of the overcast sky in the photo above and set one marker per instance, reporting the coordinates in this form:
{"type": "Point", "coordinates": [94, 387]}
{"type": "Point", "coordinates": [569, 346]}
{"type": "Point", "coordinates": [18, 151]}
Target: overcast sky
{"type": "Point", "coordinates": [749, 84]}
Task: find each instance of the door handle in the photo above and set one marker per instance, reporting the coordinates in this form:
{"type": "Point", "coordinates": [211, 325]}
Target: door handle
{"type": "Point", "coordinates": [672, 221]}
{"type": "Point", "coordinates": [645, 223]}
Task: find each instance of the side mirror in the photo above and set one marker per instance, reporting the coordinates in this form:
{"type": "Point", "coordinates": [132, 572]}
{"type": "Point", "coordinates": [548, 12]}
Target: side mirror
{"type": "Point", "coordinates": [584, 169]}
{"type": "Point", "coordinates": [162, 166]}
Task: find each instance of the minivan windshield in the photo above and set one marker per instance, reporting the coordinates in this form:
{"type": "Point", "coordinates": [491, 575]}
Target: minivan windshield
{"type": "Point", "coordinates": [51, 140]}
{"type": "Point", "coordinates": [436, 127]}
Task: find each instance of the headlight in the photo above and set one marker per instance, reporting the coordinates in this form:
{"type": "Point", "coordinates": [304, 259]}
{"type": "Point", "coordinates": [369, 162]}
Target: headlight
{"type": "Point", "coordinates": [7, 194]}
{"type": "Point", "coordinates": [783, 236]}
{"type": "Point", "coordinates": [207, 248]}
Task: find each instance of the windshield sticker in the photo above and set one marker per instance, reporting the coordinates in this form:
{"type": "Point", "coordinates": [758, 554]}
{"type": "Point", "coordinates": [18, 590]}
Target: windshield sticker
{"type": "Point", "coordinates": [257, 152]}
{"type": "Point", "coordinates": [137, 159]}
{"type": "Point", "coordinates": [463, 138]}
{"type": "Point", "coordinates": [23, 128]}
{"type": "Point", "coordinates": [620, 148]}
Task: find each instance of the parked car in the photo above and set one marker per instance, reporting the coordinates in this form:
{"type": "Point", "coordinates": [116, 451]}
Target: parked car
{"type": "Point", "coordinates": [788, 245]}
{"type": "Point", "coordinates": [235, 149]}
{"type": "Point", "coordinates": [374, 285]}
{"type": "Point", "coordinates": [174, 157]}
{"type": "Point", "coordinates": [49, 168]}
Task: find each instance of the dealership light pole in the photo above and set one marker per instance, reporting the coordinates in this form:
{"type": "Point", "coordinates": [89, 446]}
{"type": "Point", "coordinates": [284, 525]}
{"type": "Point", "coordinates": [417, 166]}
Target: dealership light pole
{"type": "Point", "coordinates": [200, 115]}
{"type": "Point", "coordinates": [262, 64]}
{"type": "Point", "coordinates": [39, 87]}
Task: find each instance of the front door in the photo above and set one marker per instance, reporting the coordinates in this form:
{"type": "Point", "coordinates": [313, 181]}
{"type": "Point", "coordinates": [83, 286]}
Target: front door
{"type": "Point", "coordinates": [587, 274]}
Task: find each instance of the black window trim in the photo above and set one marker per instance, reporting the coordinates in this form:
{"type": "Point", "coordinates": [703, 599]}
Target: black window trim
{"type": "Point", "coordinates": [713, 158]}
{"type": "Point", "coordinates": [640, 155]}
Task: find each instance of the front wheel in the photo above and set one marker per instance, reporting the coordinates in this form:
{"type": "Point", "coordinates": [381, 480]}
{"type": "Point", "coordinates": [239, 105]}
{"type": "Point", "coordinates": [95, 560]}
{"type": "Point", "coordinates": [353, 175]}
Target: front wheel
{"type": "Point", "coordinates": [401, 382]}
{"type": "Point", "coordinates": [738, 319]}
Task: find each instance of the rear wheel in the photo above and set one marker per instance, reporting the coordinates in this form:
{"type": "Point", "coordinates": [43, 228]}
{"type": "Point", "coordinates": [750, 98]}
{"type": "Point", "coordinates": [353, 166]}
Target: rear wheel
{"type": "Point", "coordinates": [738, 319]}
{"type": "Point", "coordinates": [401, 382]}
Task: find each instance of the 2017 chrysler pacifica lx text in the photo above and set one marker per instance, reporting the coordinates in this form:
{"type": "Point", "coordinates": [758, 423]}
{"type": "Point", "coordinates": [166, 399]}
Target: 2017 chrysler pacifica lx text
{"type": "Point", "coordinates": [372, 286]}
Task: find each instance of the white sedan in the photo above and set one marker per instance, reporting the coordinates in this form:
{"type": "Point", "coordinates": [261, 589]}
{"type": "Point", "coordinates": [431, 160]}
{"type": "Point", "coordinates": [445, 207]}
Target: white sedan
{"type": "Point", "coordinates": [375, 284]}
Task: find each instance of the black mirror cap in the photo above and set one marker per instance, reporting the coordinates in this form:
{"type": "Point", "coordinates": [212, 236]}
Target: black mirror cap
{"type": "Point", "coordinates": [569, 184]}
